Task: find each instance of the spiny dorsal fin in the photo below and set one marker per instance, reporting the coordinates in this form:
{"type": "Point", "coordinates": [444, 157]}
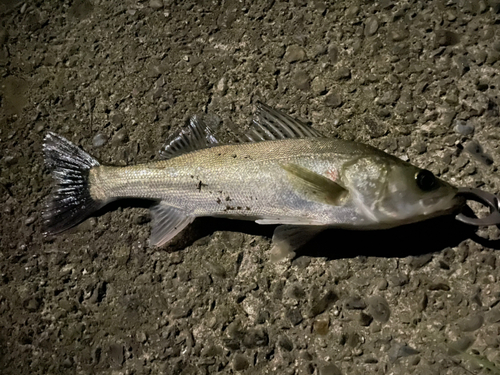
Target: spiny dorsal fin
{"type": "Point", "coordinates": [315, 186]}
{"type": "Point", "coordinates": [197, 135]}
{"type": "Point", "coordinates": [271, 124]}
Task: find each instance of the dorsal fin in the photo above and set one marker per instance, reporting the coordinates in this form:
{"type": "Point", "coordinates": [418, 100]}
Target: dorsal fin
{"type": "Point", "coordinates": [196, 135]}
{"type": "Point", "coordinates": [270, 124]}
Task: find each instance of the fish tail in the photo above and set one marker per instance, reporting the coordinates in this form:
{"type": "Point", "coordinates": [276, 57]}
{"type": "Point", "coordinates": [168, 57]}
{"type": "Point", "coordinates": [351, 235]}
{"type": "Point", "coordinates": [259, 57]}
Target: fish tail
{"type": "Point", "coordinates": [70, 201]}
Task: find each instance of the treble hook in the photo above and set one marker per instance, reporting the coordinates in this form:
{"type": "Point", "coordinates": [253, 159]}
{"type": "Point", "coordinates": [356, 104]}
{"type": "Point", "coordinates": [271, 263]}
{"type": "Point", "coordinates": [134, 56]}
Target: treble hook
{"type": "Point", "coordinates": [483, 197]}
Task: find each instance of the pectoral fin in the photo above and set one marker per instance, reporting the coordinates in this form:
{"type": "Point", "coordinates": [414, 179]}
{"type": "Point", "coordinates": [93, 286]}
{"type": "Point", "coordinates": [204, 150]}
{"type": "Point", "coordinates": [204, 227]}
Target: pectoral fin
{"type": "Point", "coordinates": [167, 222]}
{"type": "Point", "coordinates": [315, 186]}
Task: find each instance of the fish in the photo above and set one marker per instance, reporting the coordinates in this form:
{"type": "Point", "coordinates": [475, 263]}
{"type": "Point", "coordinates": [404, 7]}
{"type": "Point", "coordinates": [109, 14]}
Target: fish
{"type": "Point", "coordinates": [281, 172]}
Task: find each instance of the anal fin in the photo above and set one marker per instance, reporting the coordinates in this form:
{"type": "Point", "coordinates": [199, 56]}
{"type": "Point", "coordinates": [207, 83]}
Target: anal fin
{"type": "Point", "coordinates": [167, 222]}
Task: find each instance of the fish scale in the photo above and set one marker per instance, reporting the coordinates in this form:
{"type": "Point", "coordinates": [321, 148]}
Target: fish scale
{"type": "Point", "coordinates": [287, 173]}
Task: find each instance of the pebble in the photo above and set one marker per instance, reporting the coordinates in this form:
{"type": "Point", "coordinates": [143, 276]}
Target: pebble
{"type": "Point", "coordinates": [285, 343]}
{"type": "Point", "coordinates": [379, 309]}
{"type": "Point", "coordinates": [320, 327]}
{"type": "Point", "coordinates": [365, 319]}
{"type": "Point", "coordinates": [295, 53]}
{"type": "Point", "coordinates": [446, 38]}
{"type": "Point", "coordinates": [320, 306]}
{"type": "Point", "coordinates": [156, 4]}
{"type": "Point", "coordinates": [375, 128]}
{"type": "Point", "coordinates": [180, 311]}
{"type": "Point", "coordinates": [255, 338]}
{"type": "Point", "coordinates": [371, 26]}
{"type": "Point", "coordinates": [420, 148]}
{"type": "Point", "coordinates": [99, 140]}
{"type": "Point", "coordinates": [120, 137]}
{"type": "Point", "coordinates": [494, 316]}
{"type": "Point", "coordinates": [460, 346]}
{"type": "Point", "coordinates": [477, 152]}
{"type": "Point", "coordinates": [294, 316]}
{"type": "Point", "coordinates": [115, 354]}
{"type": "Point", "coordinates": [240, 362]}
{"type": "Point", "coordinates": [400, 350]}
{"type": "Point", "coordinates": [464, 127]}
{"type": "Point", "coordinates": [343, 73]}
{"type": "Point", "coordinates": [472, 323]}
{"type": "Point", "coordinates": [329, 369]}
{"type": "Point", "coordinates": [301, 80]}
{"type": "Point", "coordinates": [333, 100]}
{"type": "Point", "coordinates": [354, 303]}
{"type": "Point", "coordinates": [318, 86]}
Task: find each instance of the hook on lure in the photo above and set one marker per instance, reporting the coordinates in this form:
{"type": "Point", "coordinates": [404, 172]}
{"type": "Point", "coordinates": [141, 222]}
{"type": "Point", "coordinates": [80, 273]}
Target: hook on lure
{"type": "Point", "coordinates": [483, 197]}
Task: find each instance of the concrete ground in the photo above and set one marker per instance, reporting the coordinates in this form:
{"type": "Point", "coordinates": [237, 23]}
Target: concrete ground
{"type": "Point", "coordinates": [417, 79]}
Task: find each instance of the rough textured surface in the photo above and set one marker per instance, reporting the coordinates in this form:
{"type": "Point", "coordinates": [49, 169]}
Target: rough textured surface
{"type": "Point", "coordinates": [417, 79]}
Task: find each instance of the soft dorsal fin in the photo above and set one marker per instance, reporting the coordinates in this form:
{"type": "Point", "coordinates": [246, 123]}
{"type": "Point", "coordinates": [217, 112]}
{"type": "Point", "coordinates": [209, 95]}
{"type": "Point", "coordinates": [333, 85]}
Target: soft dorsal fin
{"type": "Point", "coordinates": [197, 135]}
{"type": "Point", "coordinates": [271, 124]}
{"type": "Point", "coordinates": [314, 186]}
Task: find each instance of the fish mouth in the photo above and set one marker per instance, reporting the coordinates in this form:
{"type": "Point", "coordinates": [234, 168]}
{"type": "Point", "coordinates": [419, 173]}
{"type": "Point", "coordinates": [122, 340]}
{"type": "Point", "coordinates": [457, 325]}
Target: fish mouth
{"type": "Point", "coordinates": [453, 204]}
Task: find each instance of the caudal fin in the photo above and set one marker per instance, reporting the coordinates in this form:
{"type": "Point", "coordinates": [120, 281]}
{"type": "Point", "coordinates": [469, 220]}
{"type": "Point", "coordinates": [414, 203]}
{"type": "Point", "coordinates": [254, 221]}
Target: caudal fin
{"type": "Point", "coordinates": [70, 201]}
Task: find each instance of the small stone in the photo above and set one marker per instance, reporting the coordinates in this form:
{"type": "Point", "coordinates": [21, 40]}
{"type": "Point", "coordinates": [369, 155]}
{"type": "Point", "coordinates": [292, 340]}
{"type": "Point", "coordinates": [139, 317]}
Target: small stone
{"type": "Point", "coordinates": [10, 160]}
{"type": "Point", "coordinates": [32, 304]}
{"type": "Point", "coordinates": [221, 87]}
{"type": "Point", "coordinates": [99, 140]}
{"type": "Point", "coordinates": [115, 355]}
{"type": "Point", "coordinates": [371, 26]}
{"type": "Point", "coordinates": [180, 311]}
{"type": "Point", "coordinates": [333, 54]}
{"type": "Point", "coordinates": [120, 137]}
{"type": "Point", "coordinates": [477, 152]}
{"type": "Point", "coordinates": [446, 38]}
{"type": "Point", "coordinates": [494, 316]}
{"type": "Point", "coordinates": [439, 286]}
{"type": "Point", "coordinates": [365, 319]}
{"type": "Point", "coordinates": [141, 337]}
{"type": "Point", "coordinates": [301, 80]}
{"type": "Point", "coordinates": [374, 128]}
{"type": "Point", "coordinates": [399, 351]}
{"type": "Point", "coordinates": [471, 324]}
{"type": "Point", "coordinates": [240, 362]}
{"type": "Point", "coordinates": [379, 309]}
{"type": "Point", "coordinates": [156, 4]}
{"type": "Point", "coordinates": [329, 369]}
{"type": "Point", "coordinates": [255, 338]}
{"type": "Point", "coordinates": [333, 100]}
{"type": "Point", "coordinates": [460, 346]}
{"type": "Point", "coordinates": [464, 127]}
{"type": "Point", "coordinates": [318, 86]}
{"type": "Point", "coordinates": [320, 327]}
{"type": "Point", "coordinates": [343, 73]}
{"type": "Point", "coordinates": [301, 262]}
{"type": "Point", "coordinates": [294, 316]}
{"type": "Point", "coordinates": [211, 351]}
{"type": "Point", "coordinates": [320, 306]}
{"type": "Point", "coordinates": [295, 53]}
{"type": "Point", "coordinates": [285, 343]}
{"type": "Point", "coordinates": [399, 35]}
{"type": "Point", "coordinates": [420, 148]}
{"type": "Point", "coordinates": [354, 303]}
{"type": "Point", "coordinates": [352, 11]}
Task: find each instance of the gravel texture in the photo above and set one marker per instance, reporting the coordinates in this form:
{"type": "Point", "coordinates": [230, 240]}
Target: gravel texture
{"type": "Point", "coordinates": [418, 79]}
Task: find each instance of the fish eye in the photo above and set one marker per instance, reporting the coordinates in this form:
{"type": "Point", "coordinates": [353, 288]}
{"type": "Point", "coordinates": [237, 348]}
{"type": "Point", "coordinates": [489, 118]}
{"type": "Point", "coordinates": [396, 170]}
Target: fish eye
{"type": "Point", "coordinates": [426, 180]}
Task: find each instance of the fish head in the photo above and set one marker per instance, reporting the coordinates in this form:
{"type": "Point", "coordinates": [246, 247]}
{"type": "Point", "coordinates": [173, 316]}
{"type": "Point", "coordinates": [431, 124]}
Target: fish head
{"type": "Point", "coordinates": [395, 192]}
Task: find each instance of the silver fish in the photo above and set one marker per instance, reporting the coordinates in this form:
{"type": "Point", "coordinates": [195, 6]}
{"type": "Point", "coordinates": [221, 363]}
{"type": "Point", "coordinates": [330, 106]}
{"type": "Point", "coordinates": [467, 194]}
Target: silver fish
{"type": "Point", "coordinates": [285, 173]}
